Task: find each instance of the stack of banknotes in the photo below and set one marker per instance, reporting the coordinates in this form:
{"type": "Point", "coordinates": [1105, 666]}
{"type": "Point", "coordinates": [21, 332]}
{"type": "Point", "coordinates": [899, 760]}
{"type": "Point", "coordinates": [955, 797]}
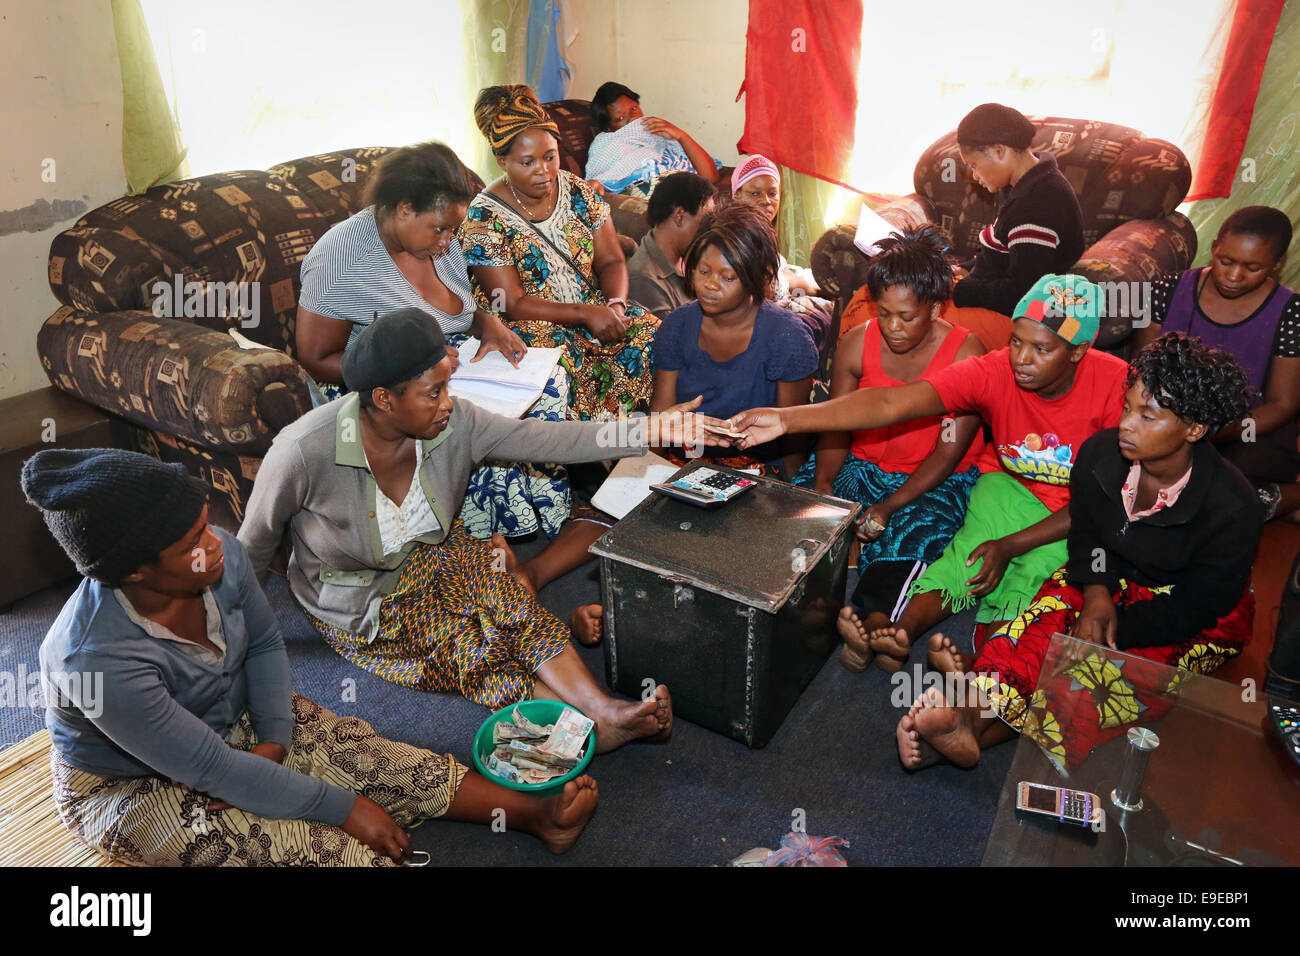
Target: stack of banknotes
{"type": "Point", "coordinates": [525, 752]}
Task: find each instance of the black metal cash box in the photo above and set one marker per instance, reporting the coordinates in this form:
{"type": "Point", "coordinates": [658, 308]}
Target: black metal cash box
{"type": "Point", "coordinates": [733, 608]}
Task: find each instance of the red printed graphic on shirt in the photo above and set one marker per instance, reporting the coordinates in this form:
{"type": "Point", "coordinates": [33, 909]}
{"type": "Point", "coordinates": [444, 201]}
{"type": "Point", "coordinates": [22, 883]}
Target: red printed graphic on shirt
{"type": "Point", "coordinates": [1035, 440]}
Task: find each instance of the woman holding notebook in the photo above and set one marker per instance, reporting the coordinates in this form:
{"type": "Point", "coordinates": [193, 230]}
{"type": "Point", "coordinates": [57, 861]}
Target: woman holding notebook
{"type": "Point", "coordinates": [542, 249]}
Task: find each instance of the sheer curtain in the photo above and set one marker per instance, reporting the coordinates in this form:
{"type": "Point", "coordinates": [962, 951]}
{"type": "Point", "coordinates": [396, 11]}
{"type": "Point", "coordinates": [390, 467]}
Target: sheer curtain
{"type": "Point", "coordinates": [256, 82]}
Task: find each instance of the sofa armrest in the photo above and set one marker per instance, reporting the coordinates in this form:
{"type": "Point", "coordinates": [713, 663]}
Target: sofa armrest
{"type": "Point", "coordinates": [174, 377]}
{"type": "Point", "coordinates": [1126, 259]}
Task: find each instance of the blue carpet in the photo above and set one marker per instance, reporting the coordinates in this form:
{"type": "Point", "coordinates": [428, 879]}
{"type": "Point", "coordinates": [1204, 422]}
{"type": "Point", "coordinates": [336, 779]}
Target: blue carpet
{"type": "Point", "coordinates": [699, 800]}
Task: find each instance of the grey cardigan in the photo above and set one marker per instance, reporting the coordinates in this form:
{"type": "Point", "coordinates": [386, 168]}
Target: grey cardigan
{"type": "Point", "coordinates": [315, 481]}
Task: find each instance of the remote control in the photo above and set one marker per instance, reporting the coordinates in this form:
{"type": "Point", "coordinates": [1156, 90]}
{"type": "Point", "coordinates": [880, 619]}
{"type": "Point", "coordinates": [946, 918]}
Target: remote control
{"type": "Point", "coordinates": [706, 487]}
{"type": "Point", "coordinates": [1286, 721]}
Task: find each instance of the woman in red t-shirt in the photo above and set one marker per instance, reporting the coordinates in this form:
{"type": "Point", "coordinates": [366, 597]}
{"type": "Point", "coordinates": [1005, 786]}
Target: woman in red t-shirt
{"type": "Point", "coordinates": [915, 477]}
{"type": "Point", "coordinates": [1042, 397]}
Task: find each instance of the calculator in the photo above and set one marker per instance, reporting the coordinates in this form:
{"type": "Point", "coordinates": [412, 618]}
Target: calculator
{"type": "Point", "coordinates": [1286, 721]}
{"type": "Point", "coordinates": [706, 487]}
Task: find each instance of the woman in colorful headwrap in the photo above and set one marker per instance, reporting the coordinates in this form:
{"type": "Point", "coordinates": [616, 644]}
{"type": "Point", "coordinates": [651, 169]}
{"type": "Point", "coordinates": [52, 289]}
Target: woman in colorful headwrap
{"type": "Point", "coordinates": [1163, 533]}
{"type": "Point", "coordinates": [543, 252]}
{"type": "Point", "coordinates": [632, 151]}
{"type": "Point", "coordinates": [757, 181]}
{"type": "Point", "coordinates": [915, 478]}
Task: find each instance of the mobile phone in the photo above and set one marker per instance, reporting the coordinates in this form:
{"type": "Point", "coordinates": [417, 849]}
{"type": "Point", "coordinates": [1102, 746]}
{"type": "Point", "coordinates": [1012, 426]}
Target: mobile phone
{"type": "Point", "coordinates": [1067, 806]}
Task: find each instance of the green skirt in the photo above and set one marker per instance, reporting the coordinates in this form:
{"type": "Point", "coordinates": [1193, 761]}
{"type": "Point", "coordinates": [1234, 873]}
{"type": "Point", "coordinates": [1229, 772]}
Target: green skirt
{"type": "Point", "coordinates": [999, 506]}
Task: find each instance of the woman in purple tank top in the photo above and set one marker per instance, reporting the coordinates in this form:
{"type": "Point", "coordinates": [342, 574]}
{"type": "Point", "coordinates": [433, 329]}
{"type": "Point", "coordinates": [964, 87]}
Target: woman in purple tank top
{"type": "Point", "coordinates": [1237, 304]}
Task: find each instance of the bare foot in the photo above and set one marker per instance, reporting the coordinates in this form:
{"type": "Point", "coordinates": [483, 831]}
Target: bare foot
{"type": "Point", "coordinates": [630, 720]}
{"type": "Point", "coordinates": [564, 815]}
{"type": "Point", "coordinates": [914, 752]}
{"type": "Point", "coordinates": [856, 654]}
{"type": "Point", "coordinates": [891, 644]}
{"type": "Point", "coordinates": [521, 571]}
{"type": "Point", "coordinates": [947, 729]}
{"type": "Point", "coordinates": [585, 624]}
{"type": "Point", "coordinates": [945, 657]}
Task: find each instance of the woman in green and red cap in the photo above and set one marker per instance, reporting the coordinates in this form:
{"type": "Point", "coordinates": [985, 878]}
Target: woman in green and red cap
{"type": "Point", "coordinates": [1042, 396]}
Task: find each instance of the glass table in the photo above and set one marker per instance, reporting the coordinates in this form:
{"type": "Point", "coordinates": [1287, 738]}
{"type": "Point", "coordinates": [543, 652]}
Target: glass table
{"type": "Point", "coordinates": [1218, 788]}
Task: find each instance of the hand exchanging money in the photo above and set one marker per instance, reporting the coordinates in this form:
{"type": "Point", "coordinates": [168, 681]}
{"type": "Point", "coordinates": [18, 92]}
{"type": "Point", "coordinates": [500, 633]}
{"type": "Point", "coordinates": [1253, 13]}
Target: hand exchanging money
{"type": "Point", "coordinates": [679, 426]}
{"type": "Point", "coordinates": [760, 425]}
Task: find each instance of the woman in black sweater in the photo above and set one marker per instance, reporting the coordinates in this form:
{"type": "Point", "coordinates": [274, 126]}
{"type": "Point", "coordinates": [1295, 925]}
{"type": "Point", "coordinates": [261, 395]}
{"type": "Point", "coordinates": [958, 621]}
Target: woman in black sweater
{"type": "Point", "coordinates": [1163, 533]}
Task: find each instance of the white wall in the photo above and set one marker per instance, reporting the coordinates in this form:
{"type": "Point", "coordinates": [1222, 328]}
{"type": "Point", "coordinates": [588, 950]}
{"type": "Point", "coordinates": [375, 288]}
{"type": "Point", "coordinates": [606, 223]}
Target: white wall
{"type": "Point", "coordinates": [62, 102]}
{"type": "Point", "coordinates": [685, 57]}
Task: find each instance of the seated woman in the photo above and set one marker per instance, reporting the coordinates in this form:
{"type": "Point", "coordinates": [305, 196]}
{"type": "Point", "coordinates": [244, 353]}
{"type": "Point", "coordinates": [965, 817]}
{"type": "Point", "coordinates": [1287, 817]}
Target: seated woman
{"type": "Point", "coordinates": [200, 753]}
{"type": "Point", "coordinates": [1237, 304]}
{"type": "Point", "coordinates": [656, 270]}
{"type": "Point", "coordinates": [543, 253]}
{"type": "Point", "coordinates": [400, 251]}
{"type": "Point", "coordinates": [732, 347]}
{"type": "Point", "coordinates": [915, 477]}
{"type": "Point", "coordinates": [632, 152]}
{"type": "Point", "coordinates": [368, 488]}
{"type": "Point", "coordinates": [1039, 225]}
{"type": "Point", "coordinates": [1163, 533]}
{"type": "Point", "coordinates": [1041, 397]}
{"type": "Point", "coordinates": [757, 181]}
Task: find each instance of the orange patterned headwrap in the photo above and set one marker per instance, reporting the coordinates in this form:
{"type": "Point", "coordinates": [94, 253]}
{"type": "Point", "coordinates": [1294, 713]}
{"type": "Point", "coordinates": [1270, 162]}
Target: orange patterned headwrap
{"type": "Point", "coordinates": [503, 112]}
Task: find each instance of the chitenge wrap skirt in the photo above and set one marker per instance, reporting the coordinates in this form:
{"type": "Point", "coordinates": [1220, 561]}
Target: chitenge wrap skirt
{"type": "Point", "coordinates": [1087, 704]}
{"type": "Point", "coordinates": [457, 622]}
{"type": "Point", "coordinates": [151, 821]}
{"type": "Point", "coordinates": [918, 532]}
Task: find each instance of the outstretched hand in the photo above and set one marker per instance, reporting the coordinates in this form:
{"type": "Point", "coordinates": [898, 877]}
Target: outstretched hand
{"type": "Point", "coordinates": [679, 425]}
{"type": "Point", "coordinates": [760, 425]}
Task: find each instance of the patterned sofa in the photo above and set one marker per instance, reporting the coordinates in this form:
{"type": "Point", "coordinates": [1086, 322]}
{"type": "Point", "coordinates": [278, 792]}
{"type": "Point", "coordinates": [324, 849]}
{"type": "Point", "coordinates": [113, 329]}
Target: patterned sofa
{"type": "Point", "coordinates": [192, 393]}
{"type": "Point", "coordinates": [1128, 185]}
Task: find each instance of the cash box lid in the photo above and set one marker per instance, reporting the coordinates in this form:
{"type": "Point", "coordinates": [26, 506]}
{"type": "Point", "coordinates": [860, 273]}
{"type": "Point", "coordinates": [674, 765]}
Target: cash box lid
{"type": "Point", "coordinates": [754, 549]}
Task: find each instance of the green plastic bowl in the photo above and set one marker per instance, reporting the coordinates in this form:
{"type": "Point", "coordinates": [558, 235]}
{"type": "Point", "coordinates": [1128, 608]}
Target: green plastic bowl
{"type": "Point", "coordinates": [539, 712]}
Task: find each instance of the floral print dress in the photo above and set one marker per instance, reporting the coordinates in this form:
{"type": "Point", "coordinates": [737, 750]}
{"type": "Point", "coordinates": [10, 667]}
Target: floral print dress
{"type": "Point", "coordinates": [603, 379]}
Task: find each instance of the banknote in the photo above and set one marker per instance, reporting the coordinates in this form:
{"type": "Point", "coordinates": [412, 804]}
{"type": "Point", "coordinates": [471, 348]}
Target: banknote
{"type": "Point", "coordinates": [570, 734]}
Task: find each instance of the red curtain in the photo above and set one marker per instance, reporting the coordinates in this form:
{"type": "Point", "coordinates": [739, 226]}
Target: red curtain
{"type": "Point", "coordinates": [1251, 34]}
{"type": "Point", "coordinates": [801, 83]}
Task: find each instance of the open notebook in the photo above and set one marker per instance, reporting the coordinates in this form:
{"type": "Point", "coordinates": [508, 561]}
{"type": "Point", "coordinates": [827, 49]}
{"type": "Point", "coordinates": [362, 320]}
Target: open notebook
{"type": "Point", "coordinates": [497, 386]}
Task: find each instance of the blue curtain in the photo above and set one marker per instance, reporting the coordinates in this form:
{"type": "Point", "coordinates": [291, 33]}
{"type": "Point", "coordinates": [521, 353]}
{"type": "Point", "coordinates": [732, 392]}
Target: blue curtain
{"type": "Point", "coordinates": [548, 73]}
